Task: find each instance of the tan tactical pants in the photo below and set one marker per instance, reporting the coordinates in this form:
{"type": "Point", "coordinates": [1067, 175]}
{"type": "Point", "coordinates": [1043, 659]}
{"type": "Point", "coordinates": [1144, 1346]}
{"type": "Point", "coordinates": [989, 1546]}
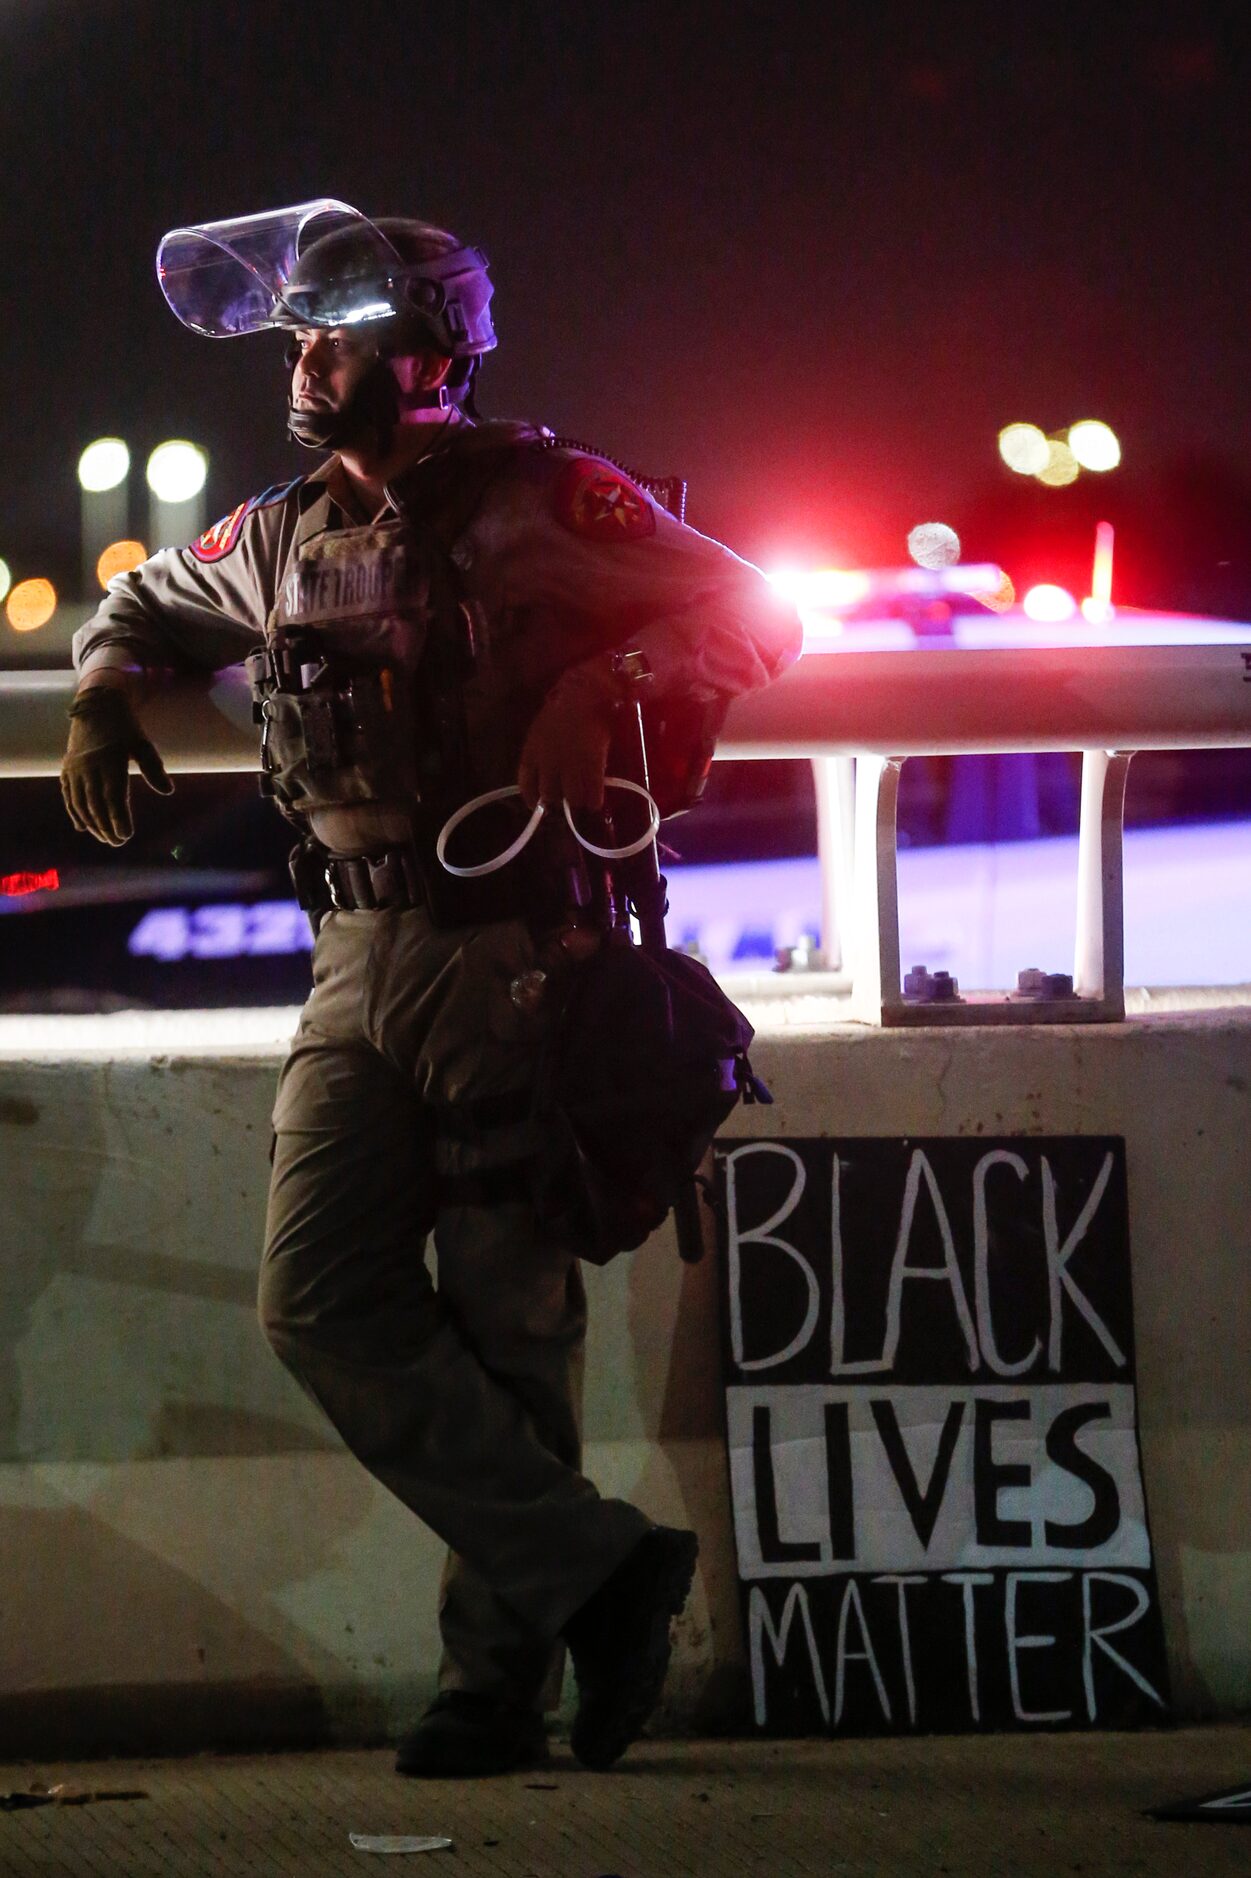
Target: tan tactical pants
{"type": "Point", "coordinates": [464, 1400]}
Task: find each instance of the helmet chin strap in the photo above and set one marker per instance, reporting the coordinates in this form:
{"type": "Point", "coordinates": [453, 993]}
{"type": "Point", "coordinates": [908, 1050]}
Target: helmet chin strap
{"type": "Point", "coordinates": [440, 399]}
{"type": "Point", "coordinates": [374, 409]}
{"type": "Point", "coordinates": [316, 430]}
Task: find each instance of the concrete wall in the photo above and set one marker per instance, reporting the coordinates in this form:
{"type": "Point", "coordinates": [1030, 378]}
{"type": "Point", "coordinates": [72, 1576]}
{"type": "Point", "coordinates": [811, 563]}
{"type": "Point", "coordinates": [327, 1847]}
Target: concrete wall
{"type": "Point", "coordinates": [189, 1559]}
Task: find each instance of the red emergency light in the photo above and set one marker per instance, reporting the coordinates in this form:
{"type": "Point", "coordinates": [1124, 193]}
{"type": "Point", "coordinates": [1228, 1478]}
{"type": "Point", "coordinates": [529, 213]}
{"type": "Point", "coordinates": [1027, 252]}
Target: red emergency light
{"type": "Point", "coordinates": [13, 884]}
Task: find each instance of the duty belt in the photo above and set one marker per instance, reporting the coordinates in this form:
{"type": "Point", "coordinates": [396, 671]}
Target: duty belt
{"type": "Point", "coordinates": [356, 882]}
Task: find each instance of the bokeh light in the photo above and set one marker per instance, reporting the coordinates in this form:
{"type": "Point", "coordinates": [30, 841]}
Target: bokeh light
{"type": "Point", "coordinates": [1024, 448]}
{"type": "Point", "coordinates": [6, 579]}
{"type": "Point", "coordinates": [103, 464]}
{"type": "Point", "coordinates": [1003, 599]}
{"type": "Point", "coordinates": [1062, 466]}
{"type": "Point", "coordinates": [1049, 604]}
{"type": "Point", "coordinates": [118, 558]}
{"type": "Point", "coordinates": [176, 470]}
{"type": "Point", "coordinates": [1095, 445]}
{"type": "Point", "coordinates": [934, 544]}
{"type": "Point", "coordinates": [30, 605]}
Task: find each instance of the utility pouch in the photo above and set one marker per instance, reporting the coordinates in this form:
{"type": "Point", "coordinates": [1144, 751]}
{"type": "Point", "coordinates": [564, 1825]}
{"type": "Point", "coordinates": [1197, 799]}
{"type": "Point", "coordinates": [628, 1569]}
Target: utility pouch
{"type": "Point", "coordinates": [306, 864]}
{"type": "Point", "coordinates": [329, 734]}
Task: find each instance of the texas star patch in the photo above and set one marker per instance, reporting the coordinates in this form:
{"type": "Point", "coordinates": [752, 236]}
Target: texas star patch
{"type": "Point", "coordinates": [601, 504]}
{"type": "Point", "coordinates": [218, 540]}
{"type": "Point", "coordinates": [221, 537]}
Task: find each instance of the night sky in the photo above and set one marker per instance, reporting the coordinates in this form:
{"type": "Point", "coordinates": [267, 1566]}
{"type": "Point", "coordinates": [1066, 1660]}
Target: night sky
{"type": "Point", "coordinates": [812, 266]}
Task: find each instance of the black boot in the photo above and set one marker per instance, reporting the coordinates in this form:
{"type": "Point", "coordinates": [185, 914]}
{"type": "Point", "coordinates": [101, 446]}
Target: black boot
{"type": "Point", "coordinates": [462, 1734]}
{"type": "Point", "coordinates": [619, 1642]}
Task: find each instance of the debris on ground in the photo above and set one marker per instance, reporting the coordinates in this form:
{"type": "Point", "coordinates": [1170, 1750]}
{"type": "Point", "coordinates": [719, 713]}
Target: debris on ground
{"type": "Point", "coordinates": [64, 1793]}
{"type": "Point", "coordinates": [397, 1842]}
{"type": "Point", "coordinates": [1231, 1806]}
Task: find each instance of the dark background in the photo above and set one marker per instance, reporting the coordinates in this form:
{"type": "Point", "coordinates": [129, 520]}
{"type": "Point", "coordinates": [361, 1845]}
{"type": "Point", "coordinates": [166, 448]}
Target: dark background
{"type": "Point", "coordinates": [813, 264]}
{"type": "Point", "coordinates": [812, 258]}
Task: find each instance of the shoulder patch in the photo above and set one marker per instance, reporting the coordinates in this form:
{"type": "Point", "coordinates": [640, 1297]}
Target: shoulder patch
{"type": "Point", "coordinates": [277, 492]}
{"type": "Point", "coordinates": [221, 537]}
{"type": "Point", "coordinates": [600, 503]}
{"type": "Point", "coordinates": [217, 541]}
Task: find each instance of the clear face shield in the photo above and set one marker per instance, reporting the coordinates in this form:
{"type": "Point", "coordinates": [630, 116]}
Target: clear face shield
{"type": "Point", "coordinates": [319, 264]}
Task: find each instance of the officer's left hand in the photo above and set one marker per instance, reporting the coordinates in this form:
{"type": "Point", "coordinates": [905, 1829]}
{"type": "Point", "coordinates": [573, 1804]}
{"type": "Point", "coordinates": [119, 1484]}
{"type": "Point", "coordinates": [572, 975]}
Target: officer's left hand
{"type": "Point", "coordinates": [105, 737]}
{"type": "Point", "coordinates": [566, 752]}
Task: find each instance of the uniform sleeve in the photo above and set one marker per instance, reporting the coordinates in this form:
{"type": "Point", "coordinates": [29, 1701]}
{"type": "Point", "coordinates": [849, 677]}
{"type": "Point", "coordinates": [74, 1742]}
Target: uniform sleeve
{"type": "Point", "coordinates": [201, 607]}
{"type": "Point", "coordinates": [592, 544]}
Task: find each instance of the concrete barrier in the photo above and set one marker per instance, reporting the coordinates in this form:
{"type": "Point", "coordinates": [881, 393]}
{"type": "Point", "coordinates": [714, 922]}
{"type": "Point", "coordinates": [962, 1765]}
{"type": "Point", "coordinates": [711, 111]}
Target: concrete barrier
{"type": "Point", "coordinates": [191, 1560]}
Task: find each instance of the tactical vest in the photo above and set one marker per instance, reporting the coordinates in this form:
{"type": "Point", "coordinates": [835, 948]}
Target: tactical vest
{"type": "Point", "coordinates": [365, 692]}
{"type": "Point", "coordinates": [358, 688]}
{"type": "Point", "coordinates": [369, 689]}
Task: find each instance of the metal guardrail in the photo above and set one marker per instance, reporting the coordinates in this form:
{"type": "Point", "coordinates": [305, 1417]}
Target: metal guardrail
{"type": "Point", "coordinates": [880, 708]}
{"type": "Point", "coordinates": [932, 701]}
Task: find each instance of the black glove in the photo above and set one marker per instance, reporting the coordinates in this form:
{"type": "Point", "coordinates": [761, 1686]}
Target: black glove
{"type": "Point", "coordinates": [105, 737]}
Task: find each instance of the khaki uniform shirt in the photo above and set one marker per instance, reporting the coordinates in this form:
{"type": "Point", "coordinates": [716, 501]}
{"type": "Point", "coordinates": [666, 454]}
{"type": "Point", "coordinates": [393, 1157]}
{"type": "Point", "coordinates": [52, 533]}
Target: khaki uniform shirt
{"type": "Point", "coordinates": [560, 558]}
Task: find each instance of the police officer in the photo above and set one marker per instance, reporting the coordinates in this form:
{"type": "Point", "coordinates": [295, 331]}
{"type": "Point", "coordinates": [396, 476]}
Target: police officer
{"type": "Point", "coordinates": [444, 609]}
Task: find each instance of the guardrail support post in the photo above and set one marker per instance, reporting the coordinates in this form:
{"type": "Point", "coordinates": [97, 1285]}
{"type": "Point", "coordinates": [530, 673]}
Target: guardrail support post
{"type": "Point", "coordinates": [1099, 968]}
{"type": "Point", "coordinates": [875, 957]}
{"type": "Point", "coordinates": [834, 778]}
{"type": "Point", "coordinates": [1099, 953]}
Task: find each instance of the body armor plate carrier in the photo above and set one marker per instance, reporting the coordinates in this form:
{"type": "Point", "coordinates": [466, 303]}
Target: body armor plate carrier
{"type": "Point", "coordinates": [358, 685]}
{"type": "Point", "coordinates": [360, 690]}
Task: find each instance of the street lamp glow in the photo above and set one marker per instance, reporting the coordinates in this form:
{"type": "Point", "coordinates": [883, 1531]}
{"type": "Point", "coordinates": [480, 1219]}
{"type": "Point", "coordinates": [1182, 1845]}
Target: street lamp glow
{"type": "Point", "coordinates": [1095, 445]}
{"type": "Point", "coordinates": [176, 471]}
{"type": "Point", "coordinates": [1023, 448]}
{"type": "Point", "coordinates": [31, 605]}
{"type": "Point", "coordinates": [1061, 467]}
{"type": "Point", "coordinates": [118, 558]}
{"type": "Point", "coordinates": [103, 465]}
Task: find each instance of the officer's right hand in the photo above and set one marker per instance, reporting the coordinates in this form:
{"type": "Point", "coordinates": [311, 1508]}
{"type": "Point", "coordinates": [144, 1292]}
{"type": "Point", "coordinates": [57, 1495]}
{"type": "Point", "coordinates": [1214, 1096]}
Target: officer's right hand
{"type": "Point", "coordinates": [566, 749]}
{"type": "Point", "coordinates": [105, 737]}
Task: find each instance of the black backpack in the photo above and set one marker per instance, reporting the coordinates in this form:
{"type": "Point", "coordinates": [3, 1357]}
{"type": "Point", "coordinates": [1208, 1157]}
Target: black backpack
{"type": "Point", "coordinates": [645, 1061]}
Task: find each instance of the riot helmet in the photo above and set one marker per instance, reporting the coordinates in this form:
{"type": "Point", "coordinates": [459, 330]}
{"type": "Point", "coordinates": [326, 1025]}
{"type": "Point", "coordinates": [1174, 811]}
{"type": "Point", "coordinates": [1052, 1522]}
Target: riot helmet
{"type": "Point", "coordinates": [406, 285]}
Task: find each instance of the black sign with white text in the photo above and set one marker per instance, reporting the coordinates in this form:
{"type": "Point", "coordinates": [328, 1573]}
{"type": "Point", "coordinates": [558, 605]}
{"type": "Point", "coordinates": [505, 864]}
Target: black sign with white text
{"type": "Point", "coordinates": [938, 1499]}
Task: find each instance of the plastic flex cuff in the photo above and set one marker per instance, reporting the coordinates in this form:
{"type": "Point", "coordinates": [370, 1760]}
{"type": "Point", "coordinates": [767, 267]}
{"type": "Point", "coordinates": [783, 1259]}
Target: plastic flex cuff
{"type": "Point", "coordinates": [514, 848]}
